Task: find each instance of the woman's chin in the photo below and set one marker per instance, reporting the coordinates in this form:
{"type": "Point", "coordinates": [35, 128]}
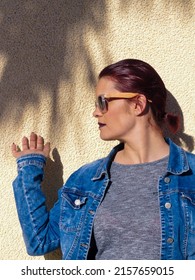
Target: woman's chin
{"type": "Point", "coordinates": [107, 137]}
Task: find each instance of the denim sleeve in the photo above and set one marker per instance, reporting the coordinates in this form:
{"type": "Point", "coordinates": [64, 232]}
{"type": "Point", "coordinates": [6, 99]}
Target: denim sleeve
{"type": "Point", "coordinates": [40, 228]}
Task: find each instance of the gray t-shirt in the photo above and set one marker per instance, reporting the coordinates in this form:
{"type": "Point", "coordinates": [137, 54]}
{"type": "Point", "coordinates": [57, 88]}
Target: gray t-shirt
{"type": "Point", "coordinates": [127, 223]}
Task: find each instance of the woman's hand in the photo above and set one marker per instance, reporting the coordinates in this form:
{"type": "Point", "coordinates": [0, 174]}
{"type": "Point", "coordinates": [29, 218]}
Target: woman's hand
{"type": "Point", "coordinates": [33, 145]}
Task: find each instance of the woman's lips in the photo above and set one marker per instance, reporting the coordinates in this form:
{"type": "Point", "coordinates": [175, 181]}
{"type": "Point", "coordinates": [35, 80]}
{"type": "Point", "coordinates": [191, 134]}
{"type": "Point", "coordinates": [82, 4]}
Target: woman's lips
{"type": "Point", "coordinates": [101, 125]}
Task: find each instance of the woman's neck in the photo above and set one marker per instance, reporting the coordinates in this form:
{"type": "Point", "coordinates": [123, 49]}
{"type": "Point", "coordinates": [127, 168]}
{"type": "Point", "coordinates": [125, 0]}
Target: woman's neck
{"type": "Point", "coordinates": [143, 149]}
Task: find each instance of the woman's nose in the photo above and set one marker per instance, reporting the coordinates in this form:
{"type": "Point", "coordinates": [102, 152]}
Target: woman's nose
{"type": "Point", "coordinates": [97, 113]}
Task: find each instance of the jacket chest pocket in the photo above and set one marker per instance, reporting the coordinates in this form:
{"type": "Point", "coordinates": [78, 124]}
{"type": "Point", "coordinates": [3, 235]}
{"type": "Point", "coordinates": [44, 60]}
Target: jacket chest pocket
{"type": "Point", "coordinates": [73, 210]}
{"type": "Point", "coordinates": [189, 209]}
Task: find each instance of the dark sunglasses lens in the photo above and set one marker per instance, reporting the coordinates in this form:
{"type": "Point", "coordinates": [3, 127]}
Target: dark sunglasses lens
{"type": "Point", "coordinates": [102, 103]}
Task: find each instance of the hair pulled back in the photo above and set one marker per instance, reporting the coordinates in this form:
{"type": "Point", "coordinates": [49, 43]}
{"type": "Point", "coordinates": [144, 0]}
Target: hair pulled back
{"type": "Point", "coordinates": [133, 75]}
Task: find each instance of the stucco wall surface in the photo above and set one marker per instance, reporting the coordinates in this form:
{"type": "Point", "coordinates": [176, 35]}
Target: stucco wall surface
{"type": "Point", "coordinates": [50, 55]}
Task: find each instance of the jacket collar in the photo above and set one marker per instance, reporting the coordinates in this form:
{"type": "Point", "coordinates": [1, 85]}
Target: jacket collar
{"type": "Point", "coordinates": [105, 164]}
{"type": "Point", "coordinates": [177, 163]}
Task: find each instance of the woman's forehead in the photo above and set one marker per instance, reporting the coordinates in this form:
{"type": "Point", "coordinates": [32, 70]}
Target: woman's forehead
{"type": "Point", "coordinates": [105, 85]}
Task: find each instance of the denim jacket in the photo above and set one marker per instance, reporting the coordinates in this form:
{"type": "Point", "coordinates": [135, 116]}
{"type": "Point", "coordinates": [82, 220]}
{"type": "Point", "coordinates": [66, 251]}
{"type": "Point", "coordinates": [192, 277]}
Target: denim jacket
{"type": "Point", "coordinates": [69, 224]}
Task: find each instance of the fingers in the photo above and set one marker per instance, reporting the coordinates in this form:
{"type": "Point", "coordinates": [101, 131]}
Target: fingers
{"type": "Point", "coordinates": [47, 149]}
{"type": "Point", "coordinates": [33, 141]}
{"type": "Point", "coordinates": [14, 149]}
{"type": "Point", "coordinates": [41, 147]}
{"type": "Point", "coordinates": [40, 143]}
{"type": "Point", "coordinates": [35, 144]}
{"type": "Point", "coordinates": [25, 143]}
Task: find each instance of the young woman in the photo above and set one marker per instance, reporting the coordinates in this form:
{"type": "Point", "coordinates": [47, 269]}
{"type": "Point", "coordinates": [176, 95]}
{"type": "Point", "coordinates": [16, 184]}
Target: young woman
{"type": "Point", "coordinates": [136, 203]}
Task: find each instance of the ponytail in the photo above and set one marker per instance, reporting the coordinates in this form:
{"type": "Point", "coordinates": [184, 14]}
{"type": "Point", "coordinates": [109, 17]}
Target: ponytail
{"type": "Point", "coordinates": [172, 121]}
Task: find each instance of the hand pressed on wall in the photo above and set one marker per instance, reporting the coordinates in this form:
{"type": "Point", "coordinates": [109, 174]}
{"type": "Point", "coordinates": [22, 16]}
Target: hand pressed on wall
{"type": "Point", "coordinates": [33, 145]}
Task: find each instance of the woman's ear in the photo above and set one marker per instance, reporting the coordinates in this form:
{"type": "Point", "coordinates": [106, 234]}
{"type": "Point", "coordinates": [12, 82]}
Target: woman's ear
{"type": "Point", "coordinates": [140, 104]}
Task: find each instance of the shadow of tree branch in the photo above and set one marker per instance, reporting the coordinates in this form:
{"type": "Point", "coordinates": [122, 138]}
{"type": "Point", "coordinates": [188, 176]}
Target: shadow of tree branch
{"type": "Point", "coordinates": [40, 40]}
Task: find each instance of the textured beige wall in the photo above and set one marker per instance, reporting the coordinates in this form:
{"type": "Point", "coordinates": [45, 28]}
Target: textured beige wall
{"type": "Point", "coordinates": [50, 55]}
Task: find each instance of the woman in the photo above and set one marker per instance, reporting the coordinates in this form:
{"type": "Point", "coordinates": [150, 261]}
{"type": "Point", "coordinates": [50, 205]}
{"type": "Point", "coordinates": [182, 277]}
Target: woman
{"type": "Point", "coordinates": [136, 203]}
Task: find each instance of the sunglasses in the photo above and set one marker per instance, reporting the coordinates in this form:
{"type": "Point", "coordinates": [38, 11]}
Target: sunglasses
{"type": "Point", "coordinates": [102, 100]}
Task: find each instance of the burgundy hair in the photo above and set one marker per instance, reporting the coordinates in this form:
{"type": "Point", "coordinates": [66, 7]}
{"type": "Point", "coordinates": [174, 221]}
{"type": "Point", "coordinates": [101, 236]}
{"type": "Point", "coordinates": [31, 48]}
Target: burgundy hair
{"type": "Point", "coordinates": [138, 76]}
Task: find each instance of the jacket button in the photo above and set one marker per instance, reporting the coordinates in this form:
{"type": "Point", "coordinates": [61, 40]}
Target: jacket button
{"type": "Point", "coordinates": [77, 202]}
{"type": "Point", "coordinates": [167, 205]}
{"type": "Point", "coordinates": [170, 240]}
{"type": "Point", "coordinates": [167, 180]}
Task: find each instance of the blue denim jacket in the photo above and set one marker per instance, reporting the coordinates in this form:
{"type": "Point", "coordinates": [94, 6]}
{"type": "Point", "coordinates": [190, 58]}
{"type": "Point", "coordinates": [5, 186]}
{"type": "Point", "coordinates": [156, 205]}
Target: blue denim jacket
{"type": "Point", "coordinates": [69, 223]}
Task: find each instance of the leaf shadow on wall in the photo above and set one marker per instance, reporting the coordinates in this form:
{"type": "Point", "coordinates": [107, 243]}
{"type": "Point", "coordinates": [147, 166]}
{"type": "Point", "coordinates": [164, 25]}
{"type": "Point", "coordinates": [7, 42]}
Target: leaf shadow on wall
{"type": "Point", "coordinates": [180, 138]}
{"type": "Point", "coordinates": [41, 44]}
{"type": "Point", "coordinates": [183, 7]}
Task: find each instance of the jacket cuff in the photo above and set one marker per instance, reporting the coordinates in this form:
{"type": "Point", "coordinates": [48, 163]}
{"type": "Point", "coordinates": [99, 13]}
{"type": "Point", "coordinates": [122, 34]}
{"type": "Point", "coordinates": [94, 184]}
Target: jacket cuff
{"type": "Point", "coordinates": [31, 159]}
